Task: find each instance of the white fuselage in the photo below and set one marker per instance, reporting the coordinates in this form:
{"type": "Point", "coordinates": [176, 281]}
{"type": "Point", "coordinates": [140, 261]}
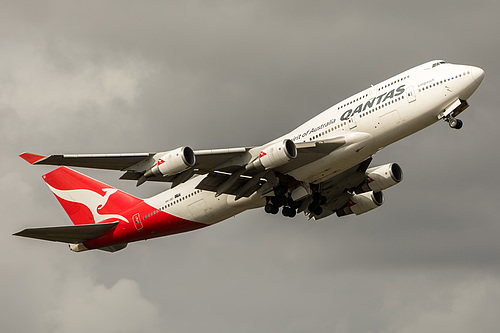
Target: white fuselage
{"type": "Point", "coordinates": [369, 120]}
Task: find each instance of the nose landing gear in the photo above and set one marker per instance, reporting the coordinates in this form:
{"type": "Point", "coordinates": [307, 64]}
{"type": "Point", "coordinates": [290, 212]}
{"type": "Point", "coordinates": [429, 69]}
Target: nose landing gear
{"type": "Point", "coordinates": [454, 123]}
{"type": "Point", "coordinates": [452, 111]}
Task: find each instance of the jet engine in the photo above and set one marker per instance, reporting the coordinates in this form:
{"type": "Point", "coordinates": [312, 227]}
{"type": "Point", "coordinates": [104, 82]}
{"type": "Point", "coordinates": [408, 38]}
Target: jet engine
{"type": "Point", "coordinates": [275, 155]}
{"type": "Point", "coordinates": [173, 162]}
{"type": "Point", "coordinates": [362, 203]}
{"type": "Point", "coordinates": [380, 178]}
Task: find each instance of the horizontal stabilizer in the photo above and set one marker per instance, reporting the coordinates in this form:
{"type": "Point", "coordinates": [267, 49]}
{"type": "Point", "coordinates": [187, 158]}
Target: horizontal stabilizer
{"type": "Point", "coordinates": [68, 234]}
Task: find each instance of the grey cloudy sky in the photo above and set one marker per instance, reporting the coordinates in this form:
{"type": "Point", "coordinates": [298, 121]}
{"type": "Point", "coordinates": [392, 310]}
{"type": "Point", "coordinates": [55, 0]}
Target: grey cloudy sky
{"type": "Point", "coordinates": [126, 76]}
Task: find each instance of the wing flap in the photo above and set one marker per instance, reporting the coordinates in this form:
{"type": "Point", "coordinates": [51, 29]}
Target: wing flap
{"type": "Point", "coordinates": [214, 180]}
{"type": "Point", "coordinates": [206, 161]}
{"type": "Point", "coordinates": [68, 234]}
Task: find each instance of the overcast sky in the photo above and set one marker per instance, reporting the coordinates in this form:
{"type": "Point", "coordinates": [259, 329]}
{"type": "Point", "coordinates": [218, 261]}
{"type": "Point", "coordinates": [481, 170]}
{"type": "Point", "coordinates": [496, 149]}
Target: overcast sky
{"type": "Point", "coordinates": [127, 76]}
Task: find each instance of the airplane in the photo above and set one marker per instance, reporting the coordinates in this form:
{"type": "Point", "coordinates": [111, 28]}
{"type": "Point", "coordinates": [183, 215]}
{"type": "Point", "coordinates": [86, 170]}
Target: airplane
{"type": "Point", "coordinates": [320, 168]}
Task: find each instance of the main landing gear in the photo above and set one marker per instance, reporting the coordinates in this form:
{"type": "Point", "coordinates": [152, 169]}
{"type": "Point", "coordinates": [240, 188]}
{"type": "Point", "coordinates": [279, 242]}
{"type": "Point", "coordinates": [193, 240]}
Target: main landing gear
{"type": "Point", "coordinates": [318, 201]}
{"type": "Point", "coordinates": [280, 199]}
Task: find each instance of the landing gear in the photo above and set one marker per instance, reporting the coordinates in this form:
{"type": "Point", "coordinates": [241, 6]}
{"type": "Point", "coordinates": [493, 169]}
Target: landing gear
{"type": "Point", "coordinates": [289, 211]}
{"type": "Point", "coordinates": [315, 208]}
{"type": "Point", "coordinates": [318, 201]}
{"type": "Point", "coordinates": [271, 209]}
{"type": "Point", "coordinates": [455, 123]}
{"type": "Point", "coordinates": [453, 110]}
{"type": "Point", "coordinates": [318, 198]}
{"type": "Point", "coordinates": [280, 199]}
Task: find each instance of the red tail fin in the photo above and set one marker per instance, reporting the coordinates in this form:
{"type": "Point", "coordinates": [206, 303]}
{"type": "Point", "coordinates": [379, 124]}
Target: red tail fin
{"type": "Point", "coordinates": [86, 200]}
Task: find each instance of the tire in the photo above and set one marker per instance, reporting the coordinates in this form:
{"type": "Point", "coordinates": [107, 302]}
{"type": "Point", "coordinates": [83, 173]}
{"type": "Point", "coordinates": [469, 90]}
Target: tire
{"type": "Point", "coordinates": [288, 211]}
{"type": "Point", "coordinates": [285, 211]}
{"type": "Point", "coordinates": [455, 123]}
{"type": "Point", "coordinates": [316, 197]}
{"type": "Point", "coordinates": [318, 211]}
{"type": "Point", "coordinates": [271, 209]}
{"type": "Point", "coordinates": [312, 207]}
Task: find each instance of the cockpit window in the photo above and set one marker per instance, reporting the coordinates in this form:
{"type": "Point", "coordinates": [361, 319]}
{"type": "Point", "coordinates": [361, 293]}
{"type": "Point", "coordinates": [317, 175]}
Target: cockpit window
{"type": "Point", "coordinates": [438, 63]}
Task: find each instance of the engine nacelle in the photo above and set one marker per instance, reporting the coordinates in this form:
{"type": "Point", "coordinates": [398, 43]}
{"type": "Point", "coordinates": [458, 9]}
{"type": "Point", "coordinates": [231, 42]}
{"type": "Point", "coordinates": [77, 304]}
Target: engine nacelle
{"type": "Point", "coordinates": [173, 162]}
{"type": "Point", "coordinates": [275, 155]}
{"type": "Point", "coordinates": [362, 203]}
{"type": "Point", "coordinates": [380, 178]}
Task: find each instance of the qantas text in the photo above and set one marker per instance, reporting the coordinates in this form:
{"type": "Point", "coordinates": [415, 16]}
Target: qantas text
{"type": "Point", "coordinates": [351, 112]}
{"type": "Point", "coordinates": [369, 104]}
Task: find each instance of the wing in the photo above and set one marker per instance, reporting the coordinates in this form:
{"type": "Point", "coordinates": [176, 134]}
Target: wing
{"type": "Point", "coordinates": [219, 164]}
{"type": "Point", "coordinates": [68, 234]}
{"type": "Point", "coordinates": [234, 179]}
{"type": "Point", "coordinates": [137, 164]}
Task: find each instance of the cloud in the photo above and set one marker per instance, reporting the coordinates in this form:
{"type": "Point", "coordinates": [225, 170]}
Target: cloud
{"type": "Point", "coordinates": [65, 79]}
{"type": "Point", "coordinates": [463, 307]}
{"type": "Point", "coordinates": [83, 305]}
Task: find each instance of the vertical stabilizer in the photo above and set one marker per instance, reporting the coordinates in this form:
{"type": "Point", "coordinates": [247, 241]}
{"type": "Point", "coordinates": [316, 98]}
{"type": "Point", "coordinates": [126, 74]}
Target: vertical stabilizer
{"type": "Point", "coordinates": [86, 200]}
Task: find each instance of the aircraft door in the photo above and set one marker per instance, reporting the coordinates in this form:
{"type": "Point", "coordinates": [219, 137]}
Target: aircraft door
{"type": "Point", "coordinates": [352, 122]}
{"type": "Point", "coordinates": [137, 221]}
{"type": "Point", "coordinates": [410, 94]}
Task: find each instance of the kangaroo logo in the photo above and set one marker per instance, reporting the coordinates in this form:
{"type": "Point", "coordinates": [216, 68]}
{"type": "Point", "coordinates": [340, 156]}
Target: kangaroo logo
{"type": "Point", "coordinates": [92, 200]}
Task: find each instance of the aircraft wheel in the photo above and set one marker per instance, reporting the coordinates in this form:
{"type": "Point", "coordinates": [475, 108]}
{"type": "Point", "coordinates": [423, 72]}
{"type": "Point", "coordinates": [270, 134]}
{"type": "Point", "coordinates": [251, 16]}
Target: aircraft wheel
{"type": "Point", "coordinates": [318, 198]}
{"type": "Point", "coordinates": [271, 209]}
{"type": "Point", "coordinates": [318, 210]}
{"type": "Point", "coordinates": [285, 211]}
{"type": "Point", "coordinates": [455, 123]}
{"type": "Point", "coordinates": [288, 211]}
{"type": "Point", "coordinates": [315, 209]}
{"type": "Point", "coordinates": [312, 207]}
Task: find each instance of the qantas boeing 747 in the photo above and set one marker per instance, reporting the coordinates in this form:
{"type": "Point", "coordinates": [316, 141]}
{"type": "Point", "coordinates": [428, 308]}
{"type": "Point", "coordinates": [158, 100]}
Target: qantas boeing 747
{"type": "Point", "coordinates": [320, 168]}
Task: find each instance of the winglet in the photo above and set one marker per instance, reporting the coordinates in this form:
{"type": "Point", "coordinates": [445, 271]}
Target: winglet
{"type": "Point", "coordinates": [32, 158]}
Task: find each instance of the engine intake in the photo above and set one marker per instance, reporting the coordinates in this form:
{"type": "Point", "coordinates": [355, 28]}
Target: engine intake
{"type": "Point", "coordinates": [173, 162]}
{"type": "Point", "coordinates": [380, 178]}
{"type": "Point", "coordinates": [362, 203]}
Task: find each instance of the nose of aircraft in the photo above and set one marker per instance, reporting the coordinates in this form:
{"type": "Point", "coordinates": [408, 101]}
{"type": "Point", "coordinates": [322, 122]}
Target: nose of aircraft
{"type": "Point", "coordinates": [477, 74]}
